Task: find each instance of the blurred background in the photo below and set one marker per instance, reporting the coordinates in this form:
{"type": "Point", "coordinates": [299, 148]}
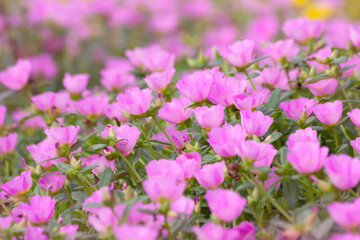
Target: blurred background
{"type": "Point", "coordinates": [75, 36]}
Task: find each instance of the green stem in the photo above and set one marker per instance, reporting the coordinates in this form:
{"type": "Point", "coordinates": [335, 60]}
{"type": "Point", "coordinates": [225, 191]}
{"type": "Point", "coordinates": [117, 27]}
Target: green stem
{"type": "Point", "coordinates": [84, 178]}
{"type": "Point", "coordinates": [271, 199]}
{"type": "Point", "coordinates": [256, 215]}
{"type": "Point", "coordinates": [129, 167]}
{"type": "Point", "coordinates": [148, 142]}
{"type": "Point", "coordinates": [166, 225]}
{"type": "Point", "coordinates": [167, 135]}
{"type": "Point", "coordinates": [7, 211]}
{"type": "Point", "coordinates": [251, 82]}
{"type": "Point", "coordinates": [68, 190]}
{"type": "Point", "coordinates": [87, 190]}
{"type": "Point", "coordinates": [335, 137]}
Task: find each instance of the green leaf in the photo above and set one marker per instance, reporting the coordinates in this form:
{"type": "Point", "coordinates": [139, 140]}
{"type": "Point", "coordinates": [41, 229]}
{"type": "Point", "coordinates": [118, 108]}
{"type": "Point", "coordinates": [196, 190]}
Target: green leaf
{"type": "Point", "coordinates": [98, 146]}
{"type": "Point", "coordinates": [341, 59]}
{"type": "Point", "coordinates": [130, 204]}
{"type": "Point", "coordinates": [77, 145]}
{"type": "Point", "coordinates": [275, 136]}
{"type": "Point", "coordinates": [88, 168]}
{"type": "Point", "coordinates": [310, 120]}
{"type": "Point", "coordinates": [254, 75]}
{"type": "Point", "coordinates": [291, 193]}
{"type": "Point", "coordinates": [347, 68]}
{"type": "Point", "coordinates": [79, 196]}
{"type": "Point", "coordinates": [53, 158]}
{"type": "Point", "coordinates": [137, 155]}
{"type": "Point", "coordinates": [274, 98]}
{"type": "Point", "coordinates": [64, 167]}
{"type": "Point", "coordinates": [257, 60]}
{"type": "Point", "coordinates": [208, 158]}
{"type": "Point", "coordinates": [317, 79]}
{"type": "Point", "coordinates": [106, 177]}
{"type": "Point", "coordinates": [283, 151]}
{"type": "Point", "coordinates": [263, 169]}
{"type": "Point", "coordinates": [231, 72]}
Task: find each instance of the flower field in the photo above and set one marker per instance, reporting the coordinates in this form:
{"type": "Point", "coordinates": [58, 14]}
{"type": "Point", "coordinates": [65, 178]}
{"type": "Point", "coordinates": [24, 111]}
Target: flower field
{"type": "Point", "coordinates": [179, 119]}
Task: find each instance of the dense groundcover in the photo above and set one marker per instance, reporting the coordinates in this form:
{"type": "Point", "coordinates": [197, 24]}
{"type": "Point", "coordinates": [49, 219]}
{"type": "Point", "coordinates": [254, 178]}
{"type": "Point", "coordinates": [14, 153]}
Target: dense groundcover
{"type": "Point", "coordinates": [176, 119]}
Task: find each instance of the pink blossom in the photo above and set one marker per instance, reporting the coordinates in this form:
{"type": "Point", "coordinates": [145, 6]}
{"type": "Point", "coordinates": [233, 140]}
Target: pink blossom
{"type": "Point", "coordinates": [158, 81]}
{"type": "Point", "coordinates": [43, 64]}
{"type": "Point", "coordinates": [183, 205]}
{"type": "Point", "coordinates": [135, 232]}
{"type": "Point", "coordinates": [189, 163]}
{"type": "Point", "coordinates": [178, 137]}
{"type": "Point", "coordinates": [196, 87]}
{"type": "Point", "coordinates": [343, 171]}
{"type": "Point", "coordinates": [214, 231]}
{"type": "Point", "coordinates": [96, 197]}
{"type": "Point", "coordinates": [52, 182]}
{"type": "Point", "coordinates": [114, 79]}
{"type": "Point", "coordinates": [176, 111]}
{"type": "Point", "coordinates": [42, 151]}
{"type": "Point", "coordinates": [47, 101]}
{"type": "Point", "coordinates": [281, 49]}
{"type": "Point", "coordinates": [129, 133]}
{"type": "Point", "coordinates": [101, 161]}
{"type": "Point", "coordinates": [302, 29]}
{"type": "Point", "coordinates": [15, 77]}
{"type": "Point", "coordinates": [77, 83]}
{"type": "Point", "coordinates": [295, 107]}
{"type": "Point", "coordinates": [211, 175]}
{"type": "Point", "coordinates": [346, 214]}
{"type": "Point", "coordinates": [93, 106]}
{"type": "Point", "coordinates": [164, 168]}
{"type": "Point", "coordinates": [322, 54]}
{"type": "Point", "coordinates": [160, 188]}
{"type": "Point", "coordinates": [5, 222]}
{"type": "Point", "coordinates": [356, 144]}
{"type": "Point", "coordinates": [249, 101]}
{"type": "Point", "coordinates": [135, 101]}
{"type": "Point", "coordinates": [355, 35]}
{"type": "Point", "coordinates": [274, 77]}
{"type": "Point", "coordinates": [323, 88]}
{"type": "Point", "coordinates": [35, 233]}
{"type": "Point", "coordinates": [307, 157]}
{"type": "Point", "coordinates": [69, 230]}
{"type": "Point", "coordinates": [346, 236]}
{"type": "Point", "coordinates": [329, 113]}
{"type": "Point", "coordinates": [354, 60]}
{"type": "Point", "coordinates": [239, 54]}
{"type": "Point", "coordinates": [337, 33]}
{"type": "Point", "coordinates": [355, 117]}
{"type": "Point", "coordinates": [226, 204]}
{"type": "Point", "coordinates": [114, 110]}
{"type": "Point", "coordinates": [246, 230]}
{"type": "Point", "coordinates": [8, 143]}
{"type": "Point", "coordinates": [39, 210]}
{"type": "Point", "coordinates": [36, 122]}
{"type": "Point", "coordinates": [255, 123]}
{"type": "Point", "coordinates": [103, 220]}
{"type": "Point", "coordinates": [209, 118]}
{"type": "Point", "coordinates": [64, 136]}
{"type": "Point", "coordinates": [302, 135]}
{"type": "Point", "coordinates": [2, 115]}
{"type": "Point", "coordinates": [223, 139]}
{"type": "Point", "coordinates": [261, 154]}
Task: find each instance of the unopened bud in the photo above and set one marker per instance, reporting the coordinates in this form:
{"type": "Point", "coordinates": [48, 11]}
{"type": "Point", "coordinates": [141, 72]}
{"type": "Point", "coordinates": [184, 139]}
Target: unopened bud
{"type": "Point", "coordinates": [197, 208]}
{"type": "Point", "coordinates": [129, 193]}
{"type": "Point", "coordinates": [312, 72]}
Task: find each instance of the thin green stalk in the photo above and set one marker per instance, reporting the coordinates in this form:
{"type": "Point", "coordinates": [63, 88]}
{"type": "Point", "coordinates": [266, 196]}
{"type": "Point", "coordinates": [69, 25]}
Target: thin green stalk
{"type": "Point", "coordinates": [167, 135]}
{"type": "Point", "coordinates": [251, 82]}
{"type": "Point", "coordinates": [335, 137]}
{"type": "Point", "coordinates": [271, 199]}
{"type": "Point", "coordinates": [68, 190]}
{"type": "Point", "coordinates": [84, 178]}
{"type": "Point", "coordinates": [86, 188]}
{"type": "Point", "coordinates": [130, 168]}
{"type": "Point", "coordinates": [166, 225]}
{"type": "Point", "coordinates": [148, 142]}
{"type": "Point", "coordinates": [256, 215]}
{"type": "Point", "coordinates": [7, 211]}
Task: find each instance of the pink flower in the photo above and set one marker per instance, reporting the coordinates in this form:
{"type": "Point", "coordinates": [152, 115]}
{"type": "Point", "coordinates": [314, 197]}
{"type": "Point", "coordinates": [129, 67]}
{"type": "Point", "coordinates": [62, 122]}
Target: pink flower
{"type": "Point", "coordinates": [323, 88]}
{"type": "Point", "coordinates": [178, 137]}
{"type": "Point", "coordinates": [356, 144]}
{"type": "Point", "coordinates": [196, 87]}
{"type": "Point", "coordinates": [113, 111]}
{"type": "Point", "coordinates": [47, 101]}
{"type": "Point", "coordinates": [103, 220]}
{"type": "Point", "coordinates": [302, 135]}
{"type": "Point", "coordinates": [355, 35]}
{"type": "Point", "coordinates": [307, 157]}
{"type": "Point", "coordinates": [42, 151]}
{"type": "Point", "coordinates": [274, 77]}
{"type": "Point", "coordinates": [214, 231]}
{"type": "Point", "coordinates": [8, 143]}
{"type": "Point", "coordinates": [39, 210]}
{"type": "Point", "coordinates": [249, 101]}
{"type": "Point", "coordinates": [355, 61]}
{"type": "Point", "coordinates": [261, 154]}
{"type": "Point", "coordinates": [135, 101]}
{"type": "Point", "coordinates": [160, 188]}
{"type": "Point", "coordinates": [2, 115]}
{"type": "Point", "coordinates": [64, 136]}
{"type": "Point", "coordinates": [96, 197]}
{"type": "Point", "coordinates": [36, 122]}
{"type": "Point", "coordinates": [164, 168]}
{"type": "Point", "coordinates": [346, 214]}
{"type": "Point", "coordinates": [15, 77]}
{"type": "Point", "coordinates": [18, 185]}
{"type": "Point", "coordinates": [101, 161]}
{"type": "Point", "coordinates": [135, 232]}
{"type": "Point", "coordinates": [189, 163]}
{"type": "Point", "coordinates": [158, 81]}
{"type": "Point", "coordinates": [77, 83]}
{"type": "Point", "coordinates": [281, 49]}
{"type": "Point", "coordinates": [183, 205]}
{"type": "Point", "coordinates": [226, 204]}
{"type": "Point", "coordinates": [329, 113]}
{"type": "Point", "coordinates": [35, 233]}
{"type": "Point", "coordinates": [295, 107]}
{"type": "Point", "coordinates": [114, 79]}
{"type": "Point", "coordinates": [52, 182]}
{"type": "Point", "coordinates": [337, 33]}
{"type": "Point", "coordinates": [346, 236]}
{"type": "Point", "coordinates": [343, 171]}
{"type": "Point", "coordinates": [302, 29]}
{"type": "Point", "coordinates": [93, 106]}
{"type": "Point", "coordinates": [129, 133]}
{"type": "Point", "coordinates": [246, 230]}
{"type": "Point", "coordinates": [69, 230]}
{"type": "Point", "coordinates": [176, 111]}
{"type": "Point", "coordinates": [209, 118]}
{"type": "Point", "coordinates": [239, 54]}
{"type": "Point", "coordinates": [43, 64]}
{"type": "Point", "coordinates": [211, 175]}
{"type": "Point", "coordinates": [255, 123]}
{"type": "Point", "coordinates": [272, 179]}
{"type": "Point", "coordinates": [5, 222]}
{"type": "Point", "coordinates": [224, 89]}
{"type": "Point", "coordinates": [355, 117]}
{"type": "Point", "coordinates": [223, 139]}
{"type": "Point", "coordinates": [322, 54]}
